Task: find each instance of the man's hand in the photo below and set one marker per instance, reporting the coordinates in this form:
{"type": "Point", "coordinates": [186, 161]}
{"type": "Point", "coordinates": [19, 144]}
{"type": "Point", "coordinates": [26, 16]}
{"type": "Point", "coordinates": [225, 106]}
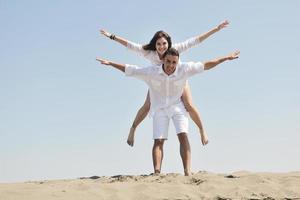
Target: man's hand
{"type": "Point", "coordinates": [103, 62]}
{"type": "Point", "coordinates": [223, 25]}
{"type": "Point", "coordinates": [233, 55]}
{"type": "Point", "coordinates": [118, 66]}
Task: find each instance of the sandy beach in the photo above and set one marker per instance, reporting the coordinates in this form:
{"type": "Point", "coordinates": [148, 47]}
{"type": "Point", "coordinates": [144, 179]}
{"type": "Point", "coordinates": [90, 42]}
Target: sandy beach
{"type": "Point", "coordinates": [201, 185]}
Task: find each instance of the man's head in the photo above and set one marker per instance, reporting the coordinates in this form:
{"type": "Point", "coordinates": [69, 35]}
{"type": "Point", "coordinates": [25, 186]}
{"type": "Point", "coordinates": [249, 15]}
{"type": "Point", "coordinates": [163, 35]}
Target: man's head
{"type": "Point", "coordinates": [171, 58]}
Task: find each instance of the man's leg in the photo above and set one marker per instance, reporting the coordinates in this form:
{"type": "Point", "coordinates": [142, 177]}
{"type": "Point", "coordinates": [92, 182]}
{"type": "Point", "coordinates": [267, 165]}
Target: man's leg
{"type": "Point", "coordinates": [158, 154]}
{"type": "Point", "coordinates": [185, 153]}
{"type": "Point", "coordinates": [160, 134]}
{"type": "Point", "coordinates": [181, 123]}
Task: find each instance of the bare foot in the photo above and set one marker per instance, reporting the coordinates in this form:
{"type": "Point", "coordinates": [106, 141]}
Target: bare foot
{"type": "Point", "coordinates": [130, 139]}
{"type": "Point", "coordinates": [204, 138]}
{"type": "Point", "coordinates": [187, 173]}
{"type": "Point", "coordinates": [156, 172]}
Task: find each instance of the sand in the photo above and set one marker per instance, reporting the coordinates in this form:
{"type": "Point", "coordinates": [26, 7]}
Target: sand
{"type": "Point", "coordinates": [201, 185]}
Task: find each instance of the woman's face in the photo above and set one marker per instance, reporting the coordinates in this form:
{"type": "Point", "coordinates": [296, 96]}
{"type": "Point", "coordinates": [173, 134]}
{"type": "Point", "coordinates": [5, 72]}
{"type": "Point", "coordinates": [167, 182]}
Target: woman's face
{"type": "Point", "coordinates": [161, 45]}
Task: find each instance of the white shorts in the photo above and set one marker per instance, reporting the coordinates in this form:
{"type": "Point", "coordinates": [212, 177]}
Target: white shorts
{"type": "Point", "coordinates": [162, 117]}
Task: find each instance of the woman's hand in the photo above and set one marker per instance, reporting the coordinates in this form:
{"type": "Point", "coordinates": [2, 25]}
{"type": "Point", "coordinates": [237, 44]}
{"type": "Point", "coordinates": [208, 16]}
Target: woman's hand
{"type": "Point", "coordinates": [105, 33]}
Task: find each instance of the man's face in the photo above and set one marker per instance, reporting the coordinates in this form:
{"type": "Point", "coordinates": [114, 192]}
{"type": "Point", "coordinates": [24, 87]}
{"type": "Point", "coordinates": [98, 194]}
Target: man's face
{"type": "Point", "coordinates": [170, 63]}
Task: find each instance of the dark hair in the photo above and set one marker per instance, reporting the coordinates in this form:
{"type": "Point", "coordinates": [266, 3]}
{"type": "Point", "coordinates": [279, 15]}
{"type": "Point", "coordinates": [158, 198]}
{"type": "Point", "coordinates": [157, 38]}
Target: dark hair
{"type": "Point", "coordinates": [152, 44]}
{"type": "Point", "coordinates": [171, 51]}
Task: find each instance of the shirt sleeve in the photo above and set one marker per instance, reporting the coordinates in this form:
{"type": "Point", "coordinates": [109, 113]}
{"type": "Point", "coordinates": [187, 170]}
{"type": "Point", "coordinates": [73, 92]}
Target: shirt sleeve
{"type": "Point", "coordinates": [138, 48]}
{"type": "Point", "coordinates": [141, 73]}
{"type": "Point", "coordinates": [193, 68]}
{"type": "Point", "coordinates": [189, 43]}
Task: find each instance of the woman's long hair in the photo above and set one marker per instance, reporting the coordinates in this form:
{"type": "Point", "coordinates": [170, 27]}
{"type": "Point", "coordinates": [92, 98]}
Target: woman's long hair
{"type": "Point", "coordinates": [152, 44]}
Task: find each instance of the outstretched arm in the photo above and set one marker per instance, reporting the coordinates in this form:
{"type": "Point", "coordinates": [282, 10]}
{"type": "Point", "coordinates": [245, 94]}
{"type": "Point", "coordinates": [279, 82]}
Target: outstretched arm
{"type": "Point", "coordinates": [138, 48]}
{"type": "Point", "coordinates": [189, 43]}
{"type": "Point", "coordinates": [114, 37]}
{"type": "Point", "coordinates": [118, 66]}
{"type": "Point", "coordinates": [204, 36]}
{"type": "Point", "coordinates": [212, 63]}
{"type": "Point", "coordinates": [141, 73]}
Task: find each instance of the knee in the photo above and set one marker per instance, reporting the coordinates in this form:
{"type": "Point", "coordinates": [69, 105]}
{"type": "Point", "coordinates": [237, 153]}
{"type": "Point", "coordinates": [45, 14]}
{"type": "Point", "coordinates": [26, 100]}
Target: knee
{"type": "Point", "coordinates": [158, 143]}
{"type": "Point", "coordinates": [183, 138]}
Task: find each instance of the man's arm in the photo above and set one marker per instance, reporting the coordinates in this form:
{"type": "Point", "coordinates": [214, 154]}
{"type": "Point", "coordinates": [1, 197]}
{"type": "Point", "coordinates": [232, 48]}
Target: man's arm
{"type": "Point", "coordinates": [118, 66]}
{"type": "Point", "coordinates": [141, 73]}
{"type": "Point", "coordinates": [212, 63]}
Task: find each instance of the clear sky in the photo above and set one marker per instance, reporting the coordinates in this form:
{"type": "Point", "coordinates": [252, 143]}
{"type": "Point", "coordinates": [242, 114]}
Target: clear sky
{"type": "Point", "coordinates": [63, 115]}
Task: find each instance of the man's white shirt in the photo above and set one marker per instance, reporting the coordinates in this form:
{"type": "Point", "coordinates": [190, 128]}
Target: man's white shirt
{"type": "Point", "coordinates": [165, 91]}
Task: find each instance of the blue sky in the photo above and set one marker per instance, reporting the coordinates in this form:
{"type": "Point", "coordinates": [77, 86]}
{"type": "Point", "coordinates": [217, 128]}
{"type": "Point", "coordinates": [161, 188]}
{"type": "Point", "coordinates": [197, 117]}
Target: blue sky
{"type": "Point", "coordinates": [63, 115]}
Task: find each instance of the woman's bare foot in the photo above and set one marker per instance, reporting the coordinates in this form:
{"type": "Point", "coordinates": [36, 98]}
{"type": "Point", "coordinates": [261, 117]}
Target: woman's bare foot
{"type": "Point", "coordinates": [130, 139]}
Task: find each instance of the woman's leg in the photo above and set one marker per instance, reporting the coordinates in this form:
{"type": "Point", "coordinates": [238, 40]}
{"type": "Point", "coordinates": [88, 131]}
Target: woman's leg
{"type": "Point", "coordinates": [194, 114]}
{"type": "Point", "coordinates": [140, 116]}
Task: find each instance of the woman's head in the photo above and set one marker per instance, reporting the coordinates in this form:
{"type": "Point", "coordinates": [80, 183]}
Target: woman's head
{"type": "Point", "coordinates": [160, 42]}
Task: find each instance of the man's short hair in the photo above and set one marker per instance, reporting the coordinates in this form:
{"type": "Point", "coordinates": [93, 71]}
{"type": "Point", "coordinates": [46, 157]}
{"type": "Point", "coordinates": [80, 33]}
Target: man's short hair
{"type": "Point", "coordinates": [171, 51]}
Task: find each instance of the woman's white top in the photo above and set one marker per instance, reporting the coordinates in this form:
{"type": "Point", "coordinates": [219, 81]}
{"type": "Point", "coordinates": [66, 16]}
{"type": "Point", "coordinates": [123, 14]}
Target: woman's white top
{"type": "Point", "coordinates": [153, 57]}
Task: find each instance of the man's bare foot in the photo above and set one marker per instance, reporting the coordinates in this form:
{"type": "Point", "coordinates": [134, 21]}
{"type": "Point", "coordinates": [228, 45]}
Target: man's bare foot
{"type": "Point", "coordinates": [130, 139]}
{"type": "Point", "coordinates": [204, 138]}
{"type": "Point", "coordinates": [156, 172]}
{"type": "Point", "coordinates": [187, 173]}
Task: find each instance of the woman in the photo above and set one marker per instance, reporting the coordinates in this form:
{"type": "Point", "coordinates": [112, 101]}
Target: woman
{"type": "Point", "coordinates": [154, 51]}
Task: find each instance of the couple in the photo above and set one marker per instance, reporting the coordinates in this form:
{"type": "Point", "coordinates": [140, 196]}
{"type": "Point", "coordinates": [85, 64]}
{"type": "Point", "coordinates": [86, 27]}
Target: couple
{"type": "Point", "coordinates": [169, 92]}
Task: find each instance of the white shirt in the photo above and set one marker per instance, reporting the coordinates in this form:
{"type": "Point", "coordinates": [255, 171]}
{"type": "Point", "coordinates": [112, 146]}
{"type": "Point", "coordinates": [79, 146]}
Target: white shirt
{"type": "Point", "coordinates": [165, 91]}
{"type": "Point", "coordinates": [153, 57]}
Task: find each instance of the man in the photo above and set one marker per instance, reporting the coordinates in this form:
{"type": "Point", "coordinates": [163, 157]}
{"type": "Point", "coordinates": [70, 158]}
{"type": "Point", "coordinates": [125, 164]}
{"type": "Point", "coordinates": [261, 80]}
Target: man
{"type": "Point", "coordinates": [166, 83]}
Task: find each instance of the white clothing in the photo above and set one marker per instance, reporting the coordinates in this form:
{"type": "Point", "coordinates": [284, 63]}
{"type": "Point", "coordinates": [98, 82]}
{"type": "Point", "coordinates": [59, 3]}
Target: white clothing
{"type": "Point", "coordinates": [165, 91]}
{"type": "Point", "coordinates": [162, 118]}
{"type": "Point", "coordinates": [153, 57]}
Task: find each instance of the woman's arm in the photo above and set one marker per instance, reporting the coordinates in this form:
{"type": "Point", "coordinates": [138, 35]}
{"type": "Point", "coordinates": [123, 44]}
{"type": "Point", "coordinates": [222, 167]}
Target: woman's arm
{"type": "Point", "coordinates": [138, 48]}
{"type": "Point", "coordinates": [200, 38]}
{"type": "Point", "coordinates": [114, 37]}
{"type": "Point", "coordinates": [204, 36]}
